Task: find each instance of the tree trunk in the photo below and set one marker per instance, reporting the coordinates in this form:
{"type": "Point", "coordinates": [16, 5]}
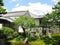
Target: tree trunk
{"type": "Point", "coordinates": [24, 34]}
{"type": "Point", "coordinates": [44, 32]}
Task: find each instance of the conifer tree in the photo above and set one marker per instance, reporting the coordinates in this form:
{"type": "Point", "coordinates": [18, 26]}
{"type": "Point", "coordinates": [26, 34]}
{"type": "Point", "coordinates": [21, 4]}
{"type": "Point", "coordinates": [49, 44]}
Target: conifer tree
{"type": "Point", "coordinates": [2, 10]}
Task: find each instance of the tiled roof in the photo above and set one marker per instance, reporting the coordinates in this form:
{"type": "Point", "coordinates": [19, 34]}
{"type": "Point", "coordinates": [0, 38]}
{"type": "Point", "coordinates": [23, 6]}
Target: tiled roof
{"type": "Point", "coordinates": [20, 13]}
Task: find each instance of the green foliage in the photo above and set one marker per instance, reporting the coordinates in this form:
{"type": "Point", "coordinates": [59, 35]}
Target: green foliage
{"type": "Point", "coordinates": [37, 42]}
{"type": "Point", "coordinates": [25, 21]}
{"type": "Point", "coordinates": [56, 13]}
{"type": "Point", "coordinates": [55, 40]}
{"type": "Point", "coordinates": [57, 6]}
{"type": "Point", "coordinates": [2, 35]}
{"type": "Point", "coordinates": [53, 17]}
{"type": "Point", "coordinates": [18, 39]}
{"type": "Point", "coordinates": [9, 33]}
{"type": "Point", "coordinates": [55, 34]}
{"type": "Point", "coordinates": [1, 3]}
{"type": "Point", "coordinates": [44, 21]}
{"type": "Point", "coordinates": [32, 38]}
{"type": "Point", "coordinates": [2, 10]}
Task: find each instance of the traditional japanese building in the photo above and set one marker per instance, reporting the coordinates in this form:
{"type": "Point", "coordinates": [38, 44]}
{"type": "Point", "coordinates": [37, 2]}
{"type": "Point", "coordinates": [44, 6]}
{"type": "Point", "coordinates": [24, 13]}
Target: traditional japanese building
{"type": "Point", "coordinates": [7, 19]}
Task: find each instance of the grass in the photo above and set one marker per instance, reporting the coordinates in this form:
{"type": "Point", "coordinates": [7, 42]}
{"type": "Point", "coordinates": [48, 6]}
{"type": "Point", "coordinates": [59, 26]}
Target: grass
{"type": "Point", "coordinates": [37, 42]}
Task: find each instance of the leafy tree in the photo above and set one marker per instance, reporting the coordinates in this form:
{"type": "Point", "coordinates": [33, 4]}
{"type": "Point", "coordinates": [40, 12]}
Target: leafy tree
{"type": "Point", "coordinates": [25, 22]}
{"type": "Point", "coordinates": [2, 10]}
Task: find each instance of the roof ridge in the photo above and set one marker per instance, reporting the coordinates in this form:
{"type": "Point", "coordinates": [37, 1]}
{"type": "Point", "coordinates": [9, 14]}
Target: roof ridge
{"type": "Point", "coordinates": [17, 11]}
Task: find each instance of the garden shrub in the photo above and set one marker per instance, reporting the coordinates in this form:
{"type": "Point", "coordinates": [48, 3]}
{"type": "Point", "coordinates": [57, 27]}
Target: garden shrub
{"type": "Point", "coordinates": [17, 41]}
{"type": "Point", "coordinates": [9, 33]}
{"type": "Point", "coordinates": [55, 34]}
{"type": "Point", "coordinates": [55, 40]}
{"type": "Point", "coordinates": [37, 42]}
{"type": "Point", "coordinates": [31, 37]}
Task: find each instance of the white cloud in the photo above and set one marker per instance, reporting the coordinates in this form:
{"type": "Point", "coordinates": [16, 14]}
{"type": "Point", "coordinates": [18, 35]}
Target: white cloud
{"type": "Point", "coordinates": [39, 8]}
{"type": "Point", "coordinates": [36, 8]}
{"type": "Point", "coordinates": [17, 5]}
{"type": "Point", "coordinates": [20, 8]}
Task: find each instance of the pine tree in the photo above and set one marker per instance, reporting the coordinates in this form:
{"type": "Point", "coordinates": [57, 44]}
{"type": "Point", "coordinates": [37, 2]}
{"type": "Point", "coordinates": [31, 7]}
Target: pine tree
{"type": "Point", "coordinates": [1, 3]}
{"type": "Point", "coordinates": [2, 10]}
{"type": "Point", "coordinates": [57, 11]}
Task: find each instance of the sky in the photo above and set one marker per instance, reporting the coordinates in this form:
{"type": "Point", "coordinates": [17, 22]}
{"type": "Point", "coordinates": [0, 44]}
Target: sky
{"type": "Point", "coordinates": [38, 7]}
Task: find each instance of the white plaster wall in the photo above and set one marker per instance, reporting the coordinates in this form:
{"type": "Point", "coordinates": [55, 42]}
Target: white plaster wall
{"type": "Point", "coordinates": [37, 21]}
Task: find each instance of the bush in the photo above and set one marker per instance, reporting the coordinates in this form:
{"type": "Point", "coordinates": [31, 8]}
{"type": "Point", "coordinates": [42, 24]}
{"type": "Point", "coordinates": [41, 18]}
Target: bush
{"type": "Point", "coordinates": [17, 41]}
{"type": "Point", "coordinates": [37, 42]}
{"type": "Point", "coordinates": [31, 37]}
{"type": "Point", "coordinates": [9, 33]}
{"type": "Point", "coordinates": [55, 40]}
{"type": "Point", "coordinates": [56, 37]}
{"type": "Point", "coordinates": [55, 34]}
